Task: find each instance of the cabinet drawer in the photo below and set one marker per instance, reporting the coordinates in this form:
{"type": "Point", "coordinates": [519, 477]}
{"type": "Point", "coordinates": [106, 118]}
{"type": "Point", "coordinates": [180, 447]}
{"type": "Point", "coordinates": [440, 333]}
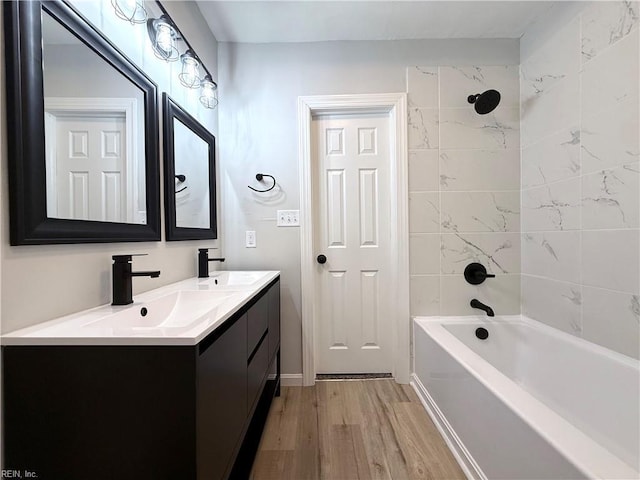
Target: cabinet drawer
{"type": "Point", "coordinates": [257, 321]}
{"type": "Point", "coordinates": [256, 372]}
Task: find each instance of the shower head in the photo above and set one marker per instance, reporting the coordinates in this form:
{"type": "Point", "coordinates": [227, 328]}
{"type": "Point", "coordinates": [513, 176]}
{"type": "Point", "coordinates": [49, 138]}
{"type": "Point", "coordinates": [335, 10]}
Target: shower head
{"type": "Point", "coordinates": [485, 102]}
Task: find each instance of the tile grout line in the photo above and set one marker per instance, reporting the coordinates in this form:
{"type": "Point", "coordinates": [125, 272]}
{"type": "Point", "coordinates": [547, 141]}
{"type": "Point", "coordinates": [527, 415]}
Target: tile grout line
{"type": "Point", "coordinates": [580, 186]}
{"type": "Point", "coordinates": [521, 302]}
{"type": "Point", "coordinates": [595, 287]}
{"type": "Point", "coordinates": [605, 49]}
{"type": "Point", "coordinates": [440, 286]}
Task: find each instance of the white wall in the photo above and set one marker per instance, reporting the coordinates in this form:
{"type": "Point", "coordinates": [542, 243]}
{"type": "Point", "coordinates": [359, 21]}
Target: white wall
{"type": "Point", "coordinates": [259, 86]}
{"type": "Point", "coordinates": [580, 126]}
{"type": "Point", "coordinates": [464, 189]}
{"type": "Point", "coordinates": [43, 282]}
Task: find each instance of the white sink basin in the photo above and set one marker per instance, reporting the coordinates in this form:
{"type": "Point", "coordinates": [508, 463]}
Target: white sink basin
{"type": "Point", "coordinates": [182, 313]}
{"type": "Point", "coordinates": [175, 310]}
{"type": "Point", "coordinates": [233, 279]}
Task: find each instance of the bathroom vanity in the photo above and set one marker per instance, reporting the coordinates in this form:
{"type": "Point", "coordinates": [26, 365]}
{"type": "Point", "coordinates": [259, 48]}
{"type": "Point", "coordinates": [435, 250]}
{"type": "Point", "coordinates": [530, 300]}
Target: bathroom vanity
{"type": "Point", "coordinates": [137, 393]}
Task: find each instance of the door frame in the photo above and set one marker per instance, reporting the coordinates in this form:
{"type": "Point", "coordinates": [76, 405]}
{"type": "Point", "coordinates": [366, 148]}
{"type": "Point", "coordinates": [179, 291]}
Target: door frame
{"type": "Point", "coordinates": [395, 105]}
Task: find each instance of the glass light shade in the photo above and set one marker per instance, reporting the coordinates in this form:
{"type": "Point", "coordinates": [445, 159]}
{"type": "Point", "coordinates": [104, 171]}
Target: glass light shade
{"type": "Point", "coordinates": [209, 93]}
{"type": "Point", "coordinates": [163, 39]}
{"type": "Point", "coordinates": [190, 75]}
{"type": "Point", "coordinates": [132, 11]}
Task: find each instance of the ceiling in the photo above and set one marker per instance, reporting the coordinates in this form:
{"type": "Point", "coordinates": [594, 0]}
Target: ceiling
{"type": "Point", "coordinates": [315, 21]}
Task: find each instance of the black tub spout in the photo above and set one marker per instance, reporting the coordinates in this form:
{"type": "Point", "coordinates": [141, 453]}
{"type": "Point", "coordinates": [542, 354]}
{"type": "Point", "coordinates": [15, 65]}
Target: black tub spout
{"type": "Point", "coordinates": [475, 303]}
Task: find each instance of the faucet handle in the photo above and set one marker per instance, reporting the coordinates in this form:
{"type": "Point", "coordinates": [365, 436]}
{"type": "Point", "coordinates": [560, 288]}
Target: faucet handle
{"type": "Point", "coordinates": [476, 273]}
{"type": "Point", "coordinates": [127, 257]}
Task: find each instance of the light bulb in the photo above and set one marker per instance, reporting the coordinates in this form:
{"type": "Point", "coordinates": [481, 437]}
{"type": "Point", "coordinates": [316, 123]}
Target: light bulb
{"type": "Point", "coordinates": [163, 38]}
{"type": "Point", "coordinates": [208, 94]}
{"type": "Point", "coordinates": [189, 77]}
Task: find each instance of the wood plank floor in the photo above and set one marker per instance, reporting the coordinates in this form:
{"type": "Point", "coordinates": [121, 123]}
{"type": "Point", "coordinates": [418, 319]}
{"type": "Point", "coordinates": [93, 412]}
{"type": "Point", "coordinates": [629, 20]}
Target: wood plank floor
{"type": "Point", "coordinates": [369, 429]}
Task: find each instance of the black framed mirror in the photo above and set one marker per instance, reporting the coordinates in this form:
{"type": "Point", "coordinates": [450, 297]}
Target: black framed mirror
{"type": "Point", "coordinates": [83, 132]}
{"type": "Point", "coordinates": [190, 176]}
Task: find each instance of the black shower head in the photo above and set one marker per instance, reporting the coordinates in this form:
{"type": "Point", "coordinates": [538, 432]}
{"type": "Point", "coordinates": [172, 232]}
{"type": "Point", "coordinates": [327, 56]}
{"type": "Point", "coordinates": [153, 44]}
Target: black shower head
{"type": "Point", "coordinates": [485, 102]}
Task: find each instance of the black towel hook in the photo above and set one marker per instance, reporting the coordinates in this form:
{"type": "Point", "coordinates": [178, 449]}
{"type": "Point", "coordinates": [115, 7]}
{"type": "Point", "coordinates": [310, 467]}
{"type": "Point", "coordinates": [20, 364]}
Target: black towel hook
{"type": "Point", "coordinates": [181, 179]}
{"type": "Point", "coordinates": [259, 177]}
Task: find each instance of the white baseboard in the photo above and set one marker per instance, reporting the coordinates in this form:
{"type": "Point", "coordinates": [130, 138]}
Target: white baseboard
{"type": "Point", "coordinates": [291, 379]}
{"type": "Point", "coordinates": [469, 466]}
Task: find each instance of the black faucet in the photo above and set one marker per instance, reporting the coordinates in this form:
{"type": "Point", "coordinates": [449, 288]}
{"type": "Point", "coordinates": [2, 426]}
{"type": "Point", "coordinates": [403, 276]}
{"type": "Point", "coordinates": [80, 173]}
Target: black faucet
{"type": "Point", "coordinates": [203, 262]}
{"type": "Point", "coordinates": [121, 279]}
{"type": "Point", "coordinates": [475, 303]}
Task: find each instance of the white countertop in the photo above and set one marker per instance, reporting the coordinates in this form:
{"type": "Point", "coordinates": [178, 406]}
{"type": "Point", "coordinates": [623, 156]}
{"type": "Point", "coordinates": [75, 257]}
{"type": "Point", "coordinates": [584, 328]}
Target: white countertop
{"type": "Point", "coordinates": [198, 317]}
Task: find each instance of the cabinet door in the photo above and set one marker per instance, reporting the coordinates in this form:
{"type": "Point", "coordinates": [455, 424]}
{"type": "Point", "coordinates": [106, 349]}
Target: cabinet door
{"type": "Point", "coordinates": [274, 319]}
{"type": "Point", "coordinates": [221, 399]}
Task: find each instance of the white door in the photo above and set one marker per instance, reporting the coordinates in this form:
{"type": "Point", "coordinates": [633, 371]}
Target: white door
{"type": "Point", "coordinates": [352, 225]}
{"type": "Point", "coordinates": [90, 167]}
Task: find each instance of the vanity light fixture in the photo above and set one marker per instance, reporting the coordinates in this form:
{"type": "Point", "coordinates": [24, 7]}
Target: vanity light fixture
{"type": "Point", "coordinates": [163, 38]}
{"type": "Point", "coordinates": [132, 11]}
{"type": "Point", "coordinates": [209, 92]}
{"type": "Point", "coordinates": [190, 75]}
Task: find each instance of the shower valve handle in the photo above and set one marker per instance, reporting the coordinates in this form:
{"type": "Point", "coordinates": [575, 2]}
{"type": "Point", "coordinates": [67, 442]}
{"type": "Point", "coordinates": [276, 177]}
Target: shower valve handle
{"type": "Point", "coordinates": [475, 274]}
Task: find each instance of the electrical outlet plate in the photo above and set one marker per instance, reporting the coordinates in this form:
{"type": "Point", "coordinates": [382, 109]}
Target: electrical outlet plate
{"type": "Point", "coordinates": [250, 239]}
{"type": "Point", "coordinates": [288, 218]}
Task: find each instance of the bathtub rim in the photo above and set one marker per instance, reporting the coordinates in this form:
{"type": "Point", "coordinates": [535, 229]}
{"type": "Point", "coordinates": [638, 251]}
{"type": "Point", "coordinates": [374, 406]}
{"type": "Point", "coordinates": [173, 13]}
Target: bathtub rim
{"type": "Point", "coordinates": [514, 319]}
{"type": "Point", "coordinates": [589, 457]}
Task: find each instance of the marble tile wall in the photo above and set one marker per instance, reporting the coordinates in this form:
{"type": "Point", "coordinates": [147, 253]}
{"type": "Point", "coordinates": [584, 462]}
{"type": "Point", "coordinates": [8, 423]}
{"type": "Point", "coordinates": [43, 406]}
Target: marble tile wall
{"type": "Point", "coordinates": [464, 189]}
{"type": "Point", "coordinates": [580, 129]}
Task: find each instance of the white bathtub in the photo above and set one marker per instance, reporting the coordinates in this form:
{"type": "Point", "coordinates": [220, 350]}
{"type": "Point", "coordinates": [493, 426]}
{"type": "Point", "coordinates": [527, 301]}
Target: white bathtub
{"type": "Point", "coordinates": [529, 401]}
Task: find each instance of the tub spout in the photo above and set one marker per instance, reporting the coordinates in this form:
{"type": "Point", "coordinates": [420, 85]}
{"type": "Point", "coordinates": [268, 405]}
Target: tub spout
{"type": "Point", "coordinates": [475, 303]}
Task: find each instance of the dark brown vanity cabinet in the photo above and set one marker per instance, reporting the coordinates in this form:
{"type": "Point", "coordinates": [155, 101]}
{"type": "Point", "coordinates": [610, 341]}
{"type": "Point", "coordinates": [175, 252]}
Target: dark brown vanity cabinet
{"type": "Point", "coordinates": [144, 412]}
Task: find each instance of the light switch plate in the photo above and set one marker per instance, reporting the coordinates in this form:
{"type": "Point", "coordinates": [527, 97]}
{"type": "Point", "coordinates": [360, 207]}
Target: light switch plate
{"type": "Point", "coordinates": [250, 239]}
{"type": "Point", "coordinates": [288, 218]}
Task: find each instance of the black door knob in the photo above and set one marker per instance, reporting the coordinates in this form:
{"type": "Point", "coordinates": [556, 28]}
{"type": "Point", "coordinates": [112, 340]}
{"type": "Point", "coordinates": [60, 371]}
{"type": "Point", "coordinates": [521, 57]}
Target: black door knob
{"type": "Point", "coordinates": [321, 259]}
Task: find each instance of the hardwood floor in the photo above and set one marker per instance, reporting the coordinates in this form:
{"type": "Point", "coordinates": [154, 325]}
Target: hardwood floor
{"type": "Point", "coordinates": [370, 429]}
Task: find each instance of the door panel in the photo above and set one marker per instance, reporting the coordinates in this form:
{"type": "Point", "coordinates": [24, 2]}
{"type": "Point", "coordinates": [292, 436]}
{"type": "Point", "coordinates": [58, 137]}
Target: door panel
{"type": "Point", "coordinates": [352, 225]}
{"type": "Point", "coordinates": [338, 320]}
{"type": "Point", "coordinates": [368, 208]}
{"type": "Point", "coordinates": [336, 214]}
{"type": "Point", "coordinates": [79, 195]}
{"type": "Point", "coordinates": [369, 302]}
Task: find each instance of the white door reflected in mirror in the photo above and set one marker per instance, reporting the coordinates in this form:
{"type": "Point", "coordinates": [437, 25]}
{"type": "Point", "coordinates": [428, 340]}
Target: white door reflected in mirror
{"type": "Point", "coordinates": [191, 160]}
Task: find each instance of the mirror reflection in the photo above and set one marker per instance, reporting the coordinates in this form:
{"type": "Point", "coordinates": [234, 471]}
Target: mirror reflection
{"type": "Point", "coordinates": [94, 133]}
{"type": "Point", "coordinates": [191, 160]}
